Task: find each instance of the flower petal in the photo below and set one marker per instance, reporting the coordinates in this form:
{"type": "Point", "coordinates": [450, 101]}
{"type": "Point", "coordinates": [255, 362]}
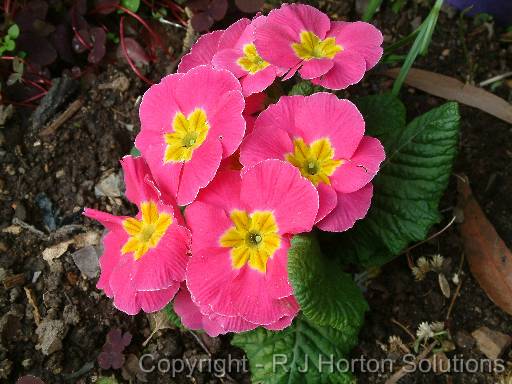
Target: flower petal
{"type": "Point", "coordinates": [327, 200]}
{"type": "Point", "coordinates": [315, 68]}
{"type": "Point", "coordinates": [278, 186]}
{"type": "Point", "coordinates": [364, 38]}
{"type": "Point", "coordinates": [153, 301]}
{"type": "Point", "coordinates": [350, 208]}
{"type": "Point", "coordinates": [349, 68]}
{"type": "Point", "coordinates": [323, 115]}
{"type": "Point", "coordinates": [202, 51]}
{"type": "Point", "coordinates": [258, 82]}
{"type": "Point", "coordinates": [358, 171]}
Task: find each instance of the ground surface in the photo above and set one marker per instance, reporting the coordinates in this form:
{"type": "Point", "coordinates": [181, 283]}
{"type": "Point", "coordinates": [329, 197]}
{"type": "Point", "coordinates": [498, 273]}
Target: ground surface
{"type": "Point", "coordinates": [65, 167]}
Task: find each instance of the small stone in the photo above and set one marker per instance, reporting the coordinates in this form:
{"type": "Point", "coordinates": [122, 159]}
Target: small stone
{"type": "Point", "coordinates": [60, 173]}
{"type": "Point", "coordinates": [86, 259]}
{"type": "Point", "coordinates": [464, 340]}
{"type": "Point", "coordinates": [110, 186]}
{"type": "Point", "coordinates": [491, 343]}
{"type": "Point", "coordinates": [70, 314]}
{"type": "Point", "coordinates": [56, 251]}
{"type": "Point", "coordinates": [51, 333]}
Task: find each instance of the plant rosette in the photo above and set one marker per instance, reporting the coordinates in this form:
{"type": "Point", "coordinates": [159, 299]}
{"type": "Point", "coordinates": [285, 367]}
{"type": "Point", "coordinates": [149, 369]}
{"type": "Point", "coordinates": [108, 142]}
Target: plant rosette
{"type": "Point", "coordinates": [254, 179]}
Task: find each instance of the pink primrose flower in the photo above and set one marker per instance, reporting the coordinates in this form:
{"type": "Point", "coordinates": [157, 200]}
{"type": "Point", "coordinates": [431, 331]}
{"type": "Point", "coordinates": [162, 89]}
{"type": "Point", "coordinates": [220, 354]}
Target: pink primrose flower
{"type": "Point", "coordinates": [333, 54]}
{"type": "Point", "coordinates": [189, 123]}
{"type": "Point", "coordinates": [323, 137]}
{"type": "Point", "coordinates": [241, 225]}
{"type": "Point", "coordinates": [145, 256]}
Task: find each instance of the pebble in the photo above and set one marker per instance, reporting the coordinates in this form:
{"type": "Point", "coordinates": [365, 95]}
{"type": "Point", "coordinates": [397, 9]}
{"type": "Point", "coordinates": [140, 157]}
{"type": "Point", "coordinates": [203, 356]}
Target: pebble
{"type": "Point", "coordinates": [86, 259]}
{"type": "Point", "coordinates": [51, 333]}
{"type": "Point", "coordinates": [491, 343]}
{"type": "Point", "coordinates": [110, 186]}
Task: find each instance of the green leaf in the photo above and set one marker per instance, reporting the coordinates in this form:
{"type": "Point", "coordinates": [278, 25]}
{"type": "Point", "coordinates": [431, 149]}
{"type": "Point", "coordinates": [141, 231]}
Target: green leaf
{"type": "Point", "coordinates": [9, 45]}
{"type": "Point", "coordinates": [132, 5]}
{"type": "Point", "coordinates": [13, 31]}
{"type": "Point", "coordinates": [301, 353]}
{"type": "Point", "coordinates": [327, 295]}
{"type": "Point", "coordinates": [408, 188]}
{"type": "Point", "coordinates": [106, 380]}
{"type": "Point", "coordinates": [305, 88]}
{"type": "Point", "coordinates": [173, 317]}
{"type": "Point", "coordinates": [135, 152]}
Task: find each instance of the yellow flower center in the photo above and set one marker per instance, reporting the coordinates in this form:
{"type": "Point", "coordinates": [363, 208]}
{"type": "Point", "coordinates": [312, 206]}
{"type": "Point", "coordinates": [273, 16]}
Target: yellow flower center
{"type": "Point", "coordinates": [147, 232]}
{"type": "Point", "coordinates": [188, 134]}
{"type": "Point", "coordinates": [315, 161]}
{"type": "Point", "coordinates": [311, 47]}
{"type": "Point", "coordinates": [253, 239]}
{"type": "Point", "coordinates": [251, 61]}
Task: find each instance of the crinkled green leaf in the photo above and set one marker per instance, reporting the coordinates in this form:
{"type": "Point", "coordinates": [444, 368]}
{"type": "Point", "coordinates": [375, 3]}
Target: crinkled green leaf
{"type": "Point", "coordinates": [302, 353]}
{"type": "Point", "coordinates": [327, 295]}
{"type": "Point", "coordinates": [173, 317]}
{"type": "Point", "coordinates": [410, 184]}
{"type": "Point", "coordinates": [305, 88]}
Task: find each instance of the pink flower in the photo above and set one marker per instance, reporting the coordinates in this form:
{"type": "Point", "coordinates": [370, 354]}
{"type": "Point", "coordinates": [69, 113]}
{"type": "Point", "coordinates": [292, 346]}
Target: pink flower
{"type": "Point", "coordinates": [323, 137]}
{"type": "Point", "coordinates": [254, 104]}
{"type": "Point", "coordinates": [333, 54]}
{"type": "Point", "coordinates": [202, 51]}
{"type": "Point", "coordinates": [189, 123]}
{"type": "Point", "coordinates": [234, 50]}
{"type": "Point", "coordinates": [241, 226]}
{"type": "Point", "coordinates": [237, 53]}
{"type": "Point", "coordinates": [145, 256]}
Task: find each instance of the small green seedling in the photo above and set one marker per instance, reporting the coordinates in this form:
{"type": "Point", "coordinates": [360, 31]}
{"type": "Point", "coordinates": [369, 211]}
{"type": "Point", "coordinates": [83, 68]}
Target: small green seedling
{"type": "Point", "coordinates": [8, 42]}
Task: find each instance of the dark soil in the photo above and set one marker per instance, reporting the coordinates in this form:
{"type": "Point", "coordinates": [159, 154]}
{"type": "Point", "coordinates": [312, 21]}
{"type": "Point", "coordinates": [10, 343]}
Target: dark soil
{"type": "Point", "coordinates": [64, 167]}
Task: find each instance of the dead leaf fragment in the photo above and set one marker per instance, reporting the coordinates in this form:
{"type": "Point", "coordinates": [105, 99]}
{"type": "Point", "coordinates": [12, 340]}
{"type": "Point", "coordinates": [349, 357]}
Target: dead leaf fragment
{"type": "Point", "coordinates": [450, 88]}
{"type": "Point", "coordinates": [491, 343]}
{"type": "Point", "coordinates": [56, 251]}
{"type": "Point", "coordinates": [489, 258]}
{"type": "Point", "coordinates": [444, 285]}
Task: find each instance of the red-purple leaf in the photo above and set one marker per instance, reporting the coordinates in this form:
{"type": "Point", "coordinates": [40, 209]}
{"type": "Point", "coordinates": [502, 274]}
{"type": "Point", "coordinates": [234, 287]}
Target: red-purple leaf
{"type": "Point", "coordinates": [199, 5]}
{"type": "Point", "coordinates": [135, 51]}
{"type": "Point", "coordinates": [218, 9]}
{"type": "Point", "coordinates": [81, 41]}
{"type": "Point", "coordinates": [99, 39]}
{"type": "Point", "coordinates": [29, 379]}
{"type": "Point", "coordinates": [201, 21]}
{"type": "Point", "coordinates": [106, 6]}
{"type": "Point", "coordinates": [249, 6]}
{"type": "Point", "coordinates": [38, 48]}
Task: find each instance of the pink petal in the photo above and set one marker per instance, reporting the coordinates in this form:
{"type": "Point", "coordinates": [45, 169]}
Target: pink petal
{"type": "Point", "coordinates": [227, 59]}
{"type": "Point", "coordinates": [234, 36]}
{"type": "Point", "coordinates": [278, 186]}
{"type": "Point", "coordinates": [159, 105]}
{"type": "Point", "coordinates": [231, 323]}
{"type": "Point", "coordinates": [111, 222]}
{"type": "Point", "coordinates": [327, 200]}
{"type": "Point", "coordinates": [277, 272]}
{"type": "Point", "coordinates": [199, 171]}
{"type": "Point", "coordinates": [202, 51]}
{"type": "Point", "coordinates": [208, 85]}
{"type": "Point", "coordinates": [349, 68]}
{"type": "Point", "coordinates": [282, 115]}
{"type": "Point", "coordinates": [162, 266]}
{"type": "Point", "coordinates": [154, 301]}
{"type": "Point", "coordinates": [112, 244]}
{"type": "Point", "coordinates": [361, 37]}
{"type": "Point", "coordinates": [125, 295]}
{"type": "Point", "coordinates": [258, 82]}
{"type": "Point", "coordinates": [209, 280]}
{"type": "Point", "coordinates": [282, 28]}
{"type": "Point", "coordinates": [137, 188]}
{"type": "Point", "coordinates": [223, 192]}
{"type": "Point", "coordinates": [265, 142]}
{"type": "Point", "coordinates": [167, 175]}
{"type": "Point", "coordinates": [187, 310]}
{"type": "Point", "coordinates": [315, 68]}
{"type": "Point", "coordinates": [323, 115]}
{"type": "Point", "coordinates": [253, 300]}
{"type": "Point", "coordinates": [358, 171]}
{"type": "Point", "coordinates": [227, 124]}
{"type": "Point", "coordinates": [282, 323]}
{"type": "Point", "coordinates": [207, 223]}
{"type": "Point", "coordinates": [351, 207]}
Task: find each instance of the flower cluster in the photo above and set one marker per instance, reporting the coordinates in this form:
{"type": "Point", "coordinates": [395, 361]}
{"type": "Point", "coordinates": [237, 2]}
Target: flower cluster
{"type": "Point", "coordinates": [249, 178]}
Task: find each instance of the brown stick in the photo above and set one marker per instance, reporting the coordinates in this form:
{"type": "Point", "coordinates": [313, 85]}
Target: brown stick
{"type": "Point", "coordinates": [404, 370]}
{"type": "Point", "coordinates": [63, 117]}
